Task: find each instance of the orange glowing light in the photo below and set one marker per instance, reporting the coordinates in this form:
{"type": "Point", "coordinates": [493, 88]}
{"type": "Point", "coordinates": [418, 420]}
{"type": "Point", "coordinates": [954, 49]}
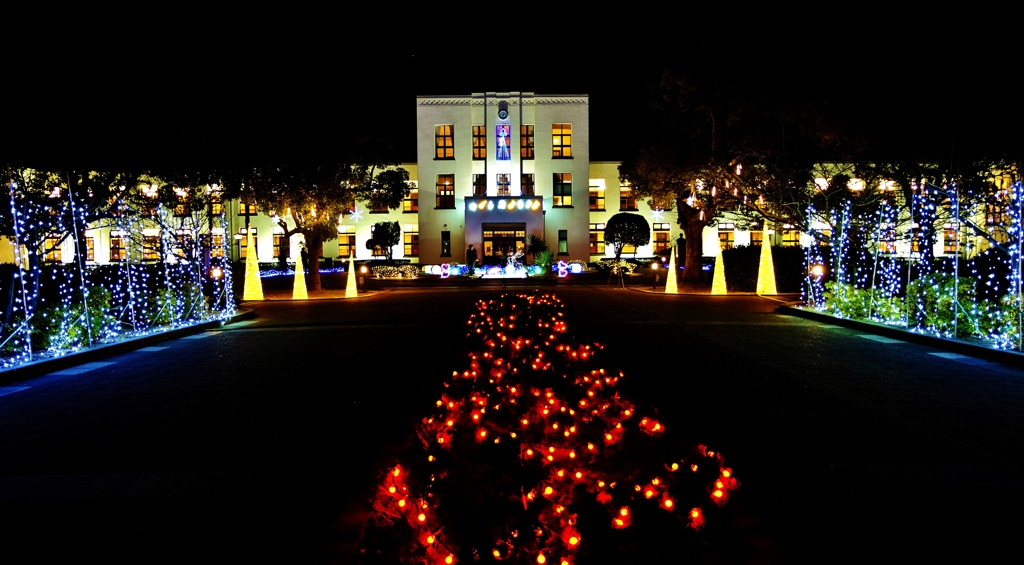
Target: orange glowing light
{"type": "Point", "coordinates": [450, 559]}
{"type": "Point", "coordinates": [628, 412]}
{"type": "Point", "coordinates": [561, 473]}
{"type": "Point", "coordinates": [422, 517]}
{"type": "Point", "coordinates": [726, 473]}
{"type": "Point", "coordinates": [513, 434]}
{"type": "Point", "coordinates": [554, 426]}
{"type": "Point", "coordinates": [574, 540]}
{"type": "Point", "coordinates": [525, 421]}
{"type": "Point", "coordinates": [648, 493]}
{"type": "Point", "coordinates": [675, 466]}
{"type": "Point", "coordinates": [693, 467]}
{"type": "Point", "coordinates": [529, 452]}
{"type": "Point", "coordinates": [451, 422]}
{"type": "Point", "coordinates": [608, 437]}
{"type": "Point", "coordinates": [717, 493]}
{"type": "Point", "coordinates": [572, 455]}
{"type": "Point", "coordinates": [541, 559]}
{"type": "Point", "coordinates": [619, 522]}
{"type": "Point", "coordinates": [695, 513]}
{"type": "Point", "coordinates": [497, 553]}
{"type": "Point", "coordinates": [430, 539]}
{"type": "Point", "coordinates": [600, 484]}
{"type": "Point", "coordinates": [551, 449]}
{"type": "Point", "coordinates": [668, 503]}
{"type": "Point", "coordinates": [579, 475]}
{"type": "Point", "coordinates": [655, 482]}
{"type": "Point", "coordinates": [551, 457]}
{"type": "Point", "coordinates": [398, 471]}
{"type": "Point", "coordinates": [430, 457]}
{"type": "Point", "coordinates": [590, 446]}
{"type": "Point", "coordinates": [719, 484]}
{"type": "Point", "coordinates": [401, 503]}
{"type": "Point", "coordinates": [624, 511]}
{"type": "Point", "coordinates": [548, 490]}
{"type": "Point", "coordinates": [392, 490]}
{"type": "Point", "coordinates": [483, 433]}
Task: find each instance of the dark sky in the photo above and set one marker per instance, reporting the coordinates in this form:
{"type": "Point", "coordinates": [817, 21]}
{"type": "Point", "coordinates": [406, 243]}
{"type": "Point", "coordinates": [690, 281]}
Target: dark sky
{"type": "Point", "coordinates": [227, 97]}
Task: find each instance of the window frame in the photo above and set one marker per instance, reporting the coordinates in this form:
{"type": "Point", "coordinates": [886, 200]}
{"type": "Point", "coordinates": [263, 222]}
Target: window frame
{"type": "Point", "coordinates": [445, 192]}
{"type": "Point", "coordinates": [597, 244]}
{"type": "Point", "coordinates": [527, 180]}
{"type": "Point", "coordinates": [597, 198]}
{"type": "Point", "coordinates": [626, 198]}
{"type": "Point", "coordinates": [479, 185]}
{"type": "Point", "coordinates": [504, 183]}
{"type": "Point", "coordinates": [526, 149]}
{"type": "Point", "coordinates": [559, 188]}
{"type": "Point", "coordinates": [479, 143]}
{"type": "Point", "coordinates": [561, 141]}
{"type": "Point", "coordinates": [444, 142]}
{"type": "Point", "coordinates": [411, 203]}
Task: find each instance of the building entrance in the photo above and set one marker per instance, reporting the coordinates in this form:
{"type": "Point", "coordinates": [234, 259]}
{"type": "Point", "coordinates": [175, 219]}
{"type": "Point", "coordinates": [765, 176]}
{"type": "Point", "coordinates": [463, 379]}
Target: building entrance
{"type": "Point", "coordinates": [499, 239]}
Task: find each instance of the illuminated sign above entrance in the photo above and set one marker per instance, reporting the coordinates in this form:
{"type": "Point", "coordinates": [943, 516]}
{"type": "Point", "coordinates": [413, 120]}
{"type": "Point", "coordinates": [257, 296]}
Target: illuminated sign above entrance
{"type": "Point", "coordinates": [504, 204]}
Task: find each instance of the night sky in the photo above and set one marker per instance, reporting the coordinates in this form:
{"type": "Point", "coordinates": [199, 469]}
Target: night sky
{"type": "Point", "coordinates": [231, 97]}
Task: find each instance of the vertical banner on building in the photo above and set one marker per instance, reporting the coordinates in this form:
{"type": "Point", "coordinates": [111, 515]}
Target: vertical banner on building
{"type": "Point", "coordinates": [502, 134]}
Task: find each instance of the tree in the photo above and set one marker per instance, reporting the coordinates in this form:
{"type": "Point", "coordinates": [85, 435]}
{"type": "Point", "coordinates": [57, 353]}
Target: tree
{"type": "Point", "coordinates": [315, 197]}
{"type": "Point", "coordinates": [625, 229]}
{"type": "Point", "coordinates": [724, 146]}
{"type": "Point", "coordinates": [385, 235]}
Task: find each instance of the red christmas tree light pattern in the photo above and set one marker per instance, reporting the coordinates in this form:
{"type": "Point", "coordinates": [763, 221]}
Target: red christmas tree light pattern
{"type": "Point", "coordinates": [529, 445]}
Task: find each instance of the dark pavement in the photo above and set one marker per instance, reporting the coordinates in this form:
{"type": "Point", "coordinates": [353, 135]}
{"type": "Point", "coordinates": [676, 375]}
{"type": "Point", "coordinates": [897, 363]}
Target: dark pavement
{"type": "Point", "coordinates": [244, 444]}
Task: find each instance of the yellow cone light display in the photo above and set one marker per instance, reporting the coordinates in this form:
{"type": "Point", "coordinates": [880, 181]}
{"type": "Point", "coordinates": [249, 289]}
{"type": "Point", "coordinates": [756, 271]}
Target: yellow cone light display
{"type": "Point", "coordinates": [253, 284]}
{"type": "Point", "coordinates": [766, 269]}
{"type": "Point", "coordinates": [671, 286]}
{"type": "Point", "coordinates": [299, 287]}
{"type": "Point", "coordinates": [718, 283]}
{"type": "Point", "coordinates": [350, 283]}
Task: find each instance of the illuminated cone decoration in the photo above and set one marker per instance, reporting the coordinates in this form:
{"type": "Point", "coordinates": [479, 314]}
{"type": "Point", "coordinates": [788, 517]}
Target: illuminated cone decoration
{"type": "Point", "coordinates": [671, 286]}
{"type": "Point", "coordinates": [718, 283]}
{"type": "Point", "coordinates": [350, 283]}
{"type": "Point", "coordinates": [253, 284]}
{"type": "Point", "coordinates": [299, 288]}
{"type": "Point", "coordinates": [766, 268]}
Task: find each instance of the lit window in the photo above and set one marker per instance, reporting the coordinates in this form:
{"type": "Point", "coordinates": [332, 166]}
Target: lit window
{"type": "Point", "coordinates": [562, 189]}
{"type": "Point", "coordinates": [887, 239]}
{"type": "Point", "coordinates": [217, 242]}
{"type": "Point", "coordinates": [90, 248]}
{"type": "Point", "coordinates": [446, 191]}
{"type": "Point", "coordinates": [444, 142]}
{"type": "Point", "coordinates": [479, 142]}
{"type": "Point", "coordinates": [51, 249]}
{"type": "Point", "coordinates": [242, 243]}
{"type": "Point", "coordinates": [662, 236]}
{"type": "Point", "coordinates": [563, 242]}
{"type": "Point", "coordinates": [117, 250]}
{"type": "Point", "coordinates": [790, 236]}
{"type": "Point", "coordinates": [479, 185]}
{"type": "Point", "coordinates": [597, 239]}
{"type": "Point", "coordinates": [950, 243]}
{"type": "Point", "coordinates": [626, 199]}
{"type": "Point", "coordinates": [526, 142]}
{"type": "Point", "coordinates": [411, 241]}
{"type": "Point", "coordinates": [504, 184]}
{"type": "Point", "coordinates": [726, 235]}
{"type": "Point", "coordinates": [216, 202]}
{"type": "Point", "coordinates": [346, 241]}
{"type": "Point", "coordinates": [181, 203]}
{"type": "Point", "coordinates": [412, 201]}
{"type": "Point", "coordinates": [527, 186]}
{"type": "Point", "coordinates": [561, 141]}
{"type": "Point", "coordinates": [756, 238]}
{"type": "Point", "coordinates": [282, 244]}
{"type": "Point", "coordinates": [150, 247]}
{"type": "Point", "coordinates": [378, 207]}
{"type": "Point", "coordinates": [246, 209]}
{"type": "Point", "coordinates": [597, 198]}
